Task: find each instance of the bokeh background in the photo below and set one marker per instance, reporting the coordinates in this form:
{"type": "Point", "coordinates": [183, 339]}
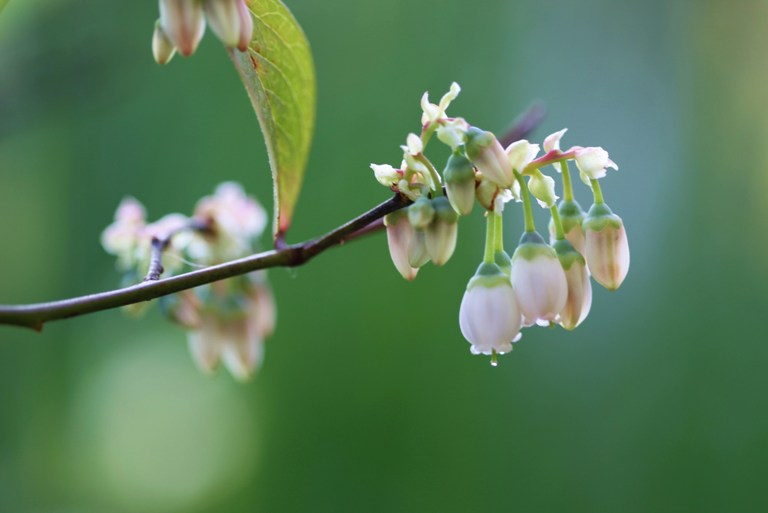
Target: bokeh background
{"type": "Point", "coordinates": [369, 399]}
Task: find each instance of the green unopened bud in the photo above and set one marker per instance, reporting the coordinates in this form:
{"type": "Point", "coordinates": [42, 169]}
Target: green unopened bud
{"type": "Point", "coordinates": [421, 213]}
{"type": "Point", "coordinates": [440, 235]}
{"type": "Point", "coordinates": [607, 249]}
{"type": "Point", "coordinates": [459, 178]}
{"type": "Point", "coordinates": [572, 217]}
{"type": "Point", "coordinates": [163, 49]}
{"type": "Point", "coordinates": [224, 19]}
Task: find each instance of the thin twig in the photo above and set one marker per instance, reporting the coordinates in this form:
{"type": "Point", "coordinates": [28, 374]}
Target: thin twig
{"type": "Point", "coordinates": [35, 315]}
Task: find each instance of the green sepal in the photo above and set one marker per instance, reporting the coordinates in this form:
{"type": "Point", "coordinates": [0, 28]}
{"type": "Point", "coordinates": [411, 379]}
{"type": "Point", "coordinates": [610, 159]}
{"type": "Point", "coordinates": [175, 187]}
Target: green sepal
{"type": "Point", "coordinates": [601, 216]}
{"type": "Point", "coordinates": [444, 211]}
{"type": "Point", "coordinates": [458, 170]}
{"type": "Point", "coordinates": [531, 246]}
{"type": "Point", "coordinates": [571, 215]}
{"type": "Point", "coordinates": [567, 254]}
{"type": "Point", "coordinates": [488, 275]}
{"type": "Point", "coordinates": [503, 260]}
{"type": "Point", "coordinates": [421, 213]}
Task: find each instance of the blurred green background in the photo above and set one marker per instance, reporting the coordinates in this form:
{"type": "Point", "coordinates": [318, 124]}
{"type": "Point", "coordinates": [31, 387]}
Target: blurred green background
{"type": "Point", "coordinates": [369, 399]}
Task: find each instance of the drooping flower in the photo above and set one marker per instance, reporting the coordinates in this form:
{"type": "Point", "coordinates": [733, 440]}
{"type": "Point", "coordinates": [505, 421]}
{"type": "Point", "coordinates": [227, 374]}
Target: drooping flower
{"type": "Point", "coordinates": [400, 238]}
{"type": "Point", "coordinates": [489, 315]}
{"type": "Point", "coordinates": [538, 279]}
{"type": "Point", "coordinates": [440, 236]}
{"type": "Point", "coordinates": [486, 153]}
{"type": "Point", "coordinates": [123, 237]}
{"type": "Point", "coordinates": [571, 216]}
{"type": "Point", "coordinates": [579, 300]}
{"type": "Point", "coordinates": [459, 176]}
{"type": "Point", "coordinates": [607, 249]}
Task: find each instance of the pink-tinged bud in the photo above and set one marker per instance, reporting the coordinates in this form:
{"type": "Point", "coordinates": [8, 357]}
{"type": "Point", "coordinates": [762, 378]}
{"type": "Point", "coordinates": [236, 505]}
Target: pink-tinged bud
{"type": "Point", "coordinates": [246, 26]}
{"type": "Point", "coordinates": [572, 217]}
{"type": "Point", "coordinates": [607, 249]}
{"type": "Point", "coordinates": [440, 235]}
{"type": "Point", "coordinates": [538, 279]}
{"type": "Point", "coordinates": [486, 153]}
{"type": "Point", "coordinates": [579, 300]}
{"type": "Point", "coordinates": [224, 18]}
{"type": "Point", "coordinates": [489, 316]}
{"type": "Point", "coordinates": [163, 49]}
{"type": "Point", "coordinates": [400, 235]}
{"type": "Point", "coordinates": [183, 22]}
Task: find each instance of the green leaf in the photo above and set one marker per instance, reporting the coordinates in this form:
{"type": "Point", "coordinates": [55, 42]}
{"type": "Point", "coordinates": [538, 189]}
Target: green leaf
{"type": "Point", "coordinates": [279, 75]}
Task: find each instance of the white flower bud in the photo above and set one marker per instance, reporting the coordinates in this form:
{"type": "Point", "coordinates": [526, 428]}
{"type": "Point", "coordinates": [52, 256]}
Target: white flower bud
{"type": "Point", "coordinates": [486, 153]}
{"type": "Point", "coordinates": [246, 26]}
{"type": "Point", "coordinates": [163, 49]}
{"type": "Point", "coordinates": [224, 18]}
{"type": "Point", "coordinates": [489, 315]}
{"type": "Point", "coordinates": [417, 252]}
{"type": "Point", "coordinates": [579, 300]}
{"type": "Point", "coordinates": [607, 249]}
{"type": "Point", "coordinates": [593, 162]}
{"type": "Point", "coordinates": [459, 178]}
{"type": "Point", "coordinates": [538, 279]}
{"type": "Point", "coordinates": [543, 189]}
{"type": "Point", "coordinates": [433, 113]}
{"type": "Point", "coordinates": [441, 234]}
{"type": "Point", "coordinates": [183, 22]}
{"type": "Point", "coordinates": [386, 175]}
{"type": "Point", "coordinates": [400, 235]}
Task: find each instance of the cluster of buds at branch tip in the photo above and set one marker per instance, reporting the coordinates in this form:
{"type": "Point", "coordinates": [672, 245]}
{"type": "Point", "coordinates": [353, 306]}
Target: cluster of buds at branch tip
{"type": "Point", "coordinates": [182, 24]}
{"type": "Point", "coordinates": [227, 321]}
{"type": "Point", "coordinates": [542, 283]}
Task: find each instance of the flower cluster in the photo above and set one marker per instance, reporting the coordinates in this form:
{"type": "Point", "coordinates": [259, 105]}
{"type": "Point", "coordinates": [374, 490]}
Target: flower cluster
{"type": "Point", "coordinates": [227, 321]}
{"type": "Point", "coordinates": [542, 283]}
{"type": "Point", "coordinates": [182, 23]}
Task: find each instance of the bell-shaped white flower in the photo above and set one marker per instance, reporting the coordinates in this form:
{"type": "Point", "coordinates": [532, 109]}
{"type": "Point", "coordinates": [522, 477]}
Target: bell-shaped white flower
{"type": "Point", "coordinates": [486, 153]}
{"type": "Point", "coordinates": [579, 300]}
{"type": "Point", "coordinates": [459, 176]}
{"type": "Point", "coordinates": [489, 316]}
{"type": "Point", "coordinates": [607, 249]}
{"type": "Point", "coordinates": [521, 153]}
{"type": "Point", "coordinates": [593, 162]}
{"type": "Point", "coordinates": [235, 337]}
{"type": "Point", "coordinates": [184, 23]}
{"type": "Point", "coordinates": [538, 279]}
{"type": "Point", "coordinates": [440, 236]}
{"type": "Point", "coordinates": [434, 113]}
{"type": "Point", "coordinates": [400, 238]}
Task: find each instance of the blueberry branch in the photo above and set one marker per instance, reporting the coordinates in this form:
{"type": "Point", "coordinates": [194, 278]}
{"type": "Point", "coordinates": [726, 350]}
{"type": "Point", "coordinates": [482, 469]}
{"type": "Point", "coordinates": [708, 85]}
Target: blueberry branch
{"type": "Point", "coordinates": [35, 315]}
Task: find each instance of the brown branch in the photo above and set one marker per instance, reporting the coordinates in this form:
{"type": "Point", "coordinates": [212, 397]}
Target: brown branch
{"type": "Point", "coordinates": [35, 315]}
